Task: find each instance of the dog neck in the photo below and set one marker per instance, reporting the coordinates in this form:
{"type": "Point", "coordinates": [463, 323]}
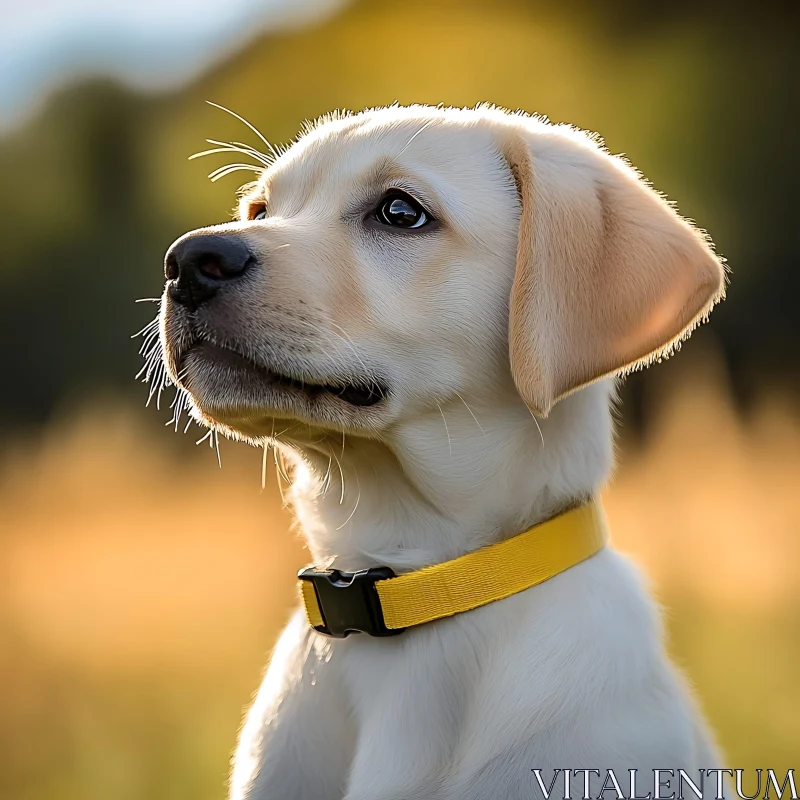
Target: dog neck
{"type": "Point", "coordinates": [449, 483]}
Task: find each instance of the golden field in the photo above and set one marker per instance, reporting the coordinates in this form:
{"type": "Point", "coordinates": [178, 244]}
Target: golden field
{"type": "Point", "coordinates": [143, 587]}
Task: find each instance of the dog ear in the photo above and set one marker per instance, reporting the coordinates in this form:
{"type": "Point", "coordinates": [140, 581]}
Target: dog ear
{"type": "Point", "coordinates": [608, 277]}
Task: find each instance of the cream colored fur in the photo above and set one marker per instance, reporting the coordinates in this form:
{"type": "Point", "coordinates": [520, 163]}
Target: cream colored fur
{"type": "Point", "coordinates": [551, 269]}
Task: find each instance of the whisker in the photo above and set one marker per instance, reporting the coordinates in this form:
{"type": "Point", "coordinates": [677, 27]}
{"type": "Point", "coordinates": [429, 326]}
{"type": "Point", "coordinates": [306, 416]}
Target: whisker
{"type": "Point", "coordinates": [266, 159]}
{"type": "Point", "coordinates": [161, 386]}
{"type": "Point", "coordinates": [179, 404]}
{"type": "Point", "coordinates": [233, 147]}
{"type": "Point", "coordinates": [248, 124]}
{"type": "Point", "coordinates": [224, 147]}
{"type": "Point", "coordinates": [149, 366]}
{"type": "Point", "coordinates": [148, 334]}
{"type": "Point", "coordinates": [149, 342]}
{"type": "Point", "coordinates": [277, 475]}
{"type": "Point", "coordinates": [341, 474]}
{"type": "Point", "coordinates": [153, 356]}
{"type": "Point", "coordinates": [470, 411]}
{"type": "Point", "coordinates": [355, 507]}
{"type": "Point", "coordinates": [156, 383]}
{"type": "Point", "coordinates": [228, 169]}
{"type": "Point", "coordinates": [278, 458]}
{"type": "Point", "coordinates": [213, 150]}
{"type": "Point", "coordinates": [150, 361]}
{"type": "Point", "coordinates": [429, 122]}
{"type": "Point", "coordinates": [446, 429]}
{"type": "Point", "coordinates": [538, 427]}
{"type": "Point", "coordinates": [216, 444]}
{"type": "Point", "coordinates": [326, 481]}
{"type": "Point", "coordinates": [150, 325]}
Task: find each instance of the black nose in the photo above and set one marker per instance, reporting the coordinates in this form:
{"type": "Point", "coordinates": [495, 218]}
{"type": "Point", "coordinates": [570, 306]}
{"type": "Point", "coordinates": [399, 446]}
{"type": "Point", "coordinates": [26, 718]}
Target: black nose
{"type": "Point", "coordinates": [197, 265]}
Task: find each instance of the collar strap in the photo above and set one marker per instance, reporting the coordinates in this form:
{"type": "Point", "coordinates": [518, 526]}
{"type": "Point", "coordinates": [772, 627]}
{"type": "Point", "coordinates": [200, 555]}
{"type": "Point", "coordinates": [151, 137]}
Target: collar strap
{"type": "Point", "coordinates": [377, 602]}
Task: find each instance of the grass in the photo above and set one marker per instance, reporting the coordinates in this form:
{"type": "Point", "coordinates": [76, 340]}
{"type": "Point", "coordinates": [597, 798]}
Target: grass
{"type": "Point", "coordinates": [141, 589]}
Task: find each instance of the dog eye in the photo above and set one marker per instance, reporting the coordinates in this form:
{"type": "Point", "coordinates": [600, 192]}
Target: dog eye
{"type": "Point", "coordinates": [401, 211]}
{"type": "Point", "coordinates": [261, 214]}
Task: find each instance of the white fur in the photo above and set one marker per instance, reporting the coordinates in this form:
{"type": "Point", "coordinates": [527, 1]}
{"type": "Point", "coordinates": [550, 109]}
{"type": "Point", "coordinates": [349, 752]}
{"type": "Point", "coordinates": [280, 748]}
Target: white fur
{"type": "Point", "coordinates": [569, 674]}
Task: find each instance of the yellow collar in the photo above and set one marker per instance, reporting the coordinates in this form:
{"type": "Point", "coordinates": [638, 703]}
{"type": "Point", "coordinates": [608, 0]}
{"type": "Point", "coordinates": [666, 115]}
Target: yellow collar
{"type": "Point", "coordinates": [376, 602]}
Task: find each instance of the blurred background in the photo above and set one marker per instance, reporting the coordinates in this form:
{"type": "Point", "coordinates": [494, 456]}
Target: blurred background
{"type": "Point", "coordinates": [141, 587]}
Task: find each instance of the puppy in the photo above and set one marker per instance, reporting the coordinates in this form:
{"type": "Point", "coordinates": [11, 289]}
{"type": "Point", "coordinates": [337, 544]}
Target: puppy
{"type": "Point", "coordinates": [424, 310]}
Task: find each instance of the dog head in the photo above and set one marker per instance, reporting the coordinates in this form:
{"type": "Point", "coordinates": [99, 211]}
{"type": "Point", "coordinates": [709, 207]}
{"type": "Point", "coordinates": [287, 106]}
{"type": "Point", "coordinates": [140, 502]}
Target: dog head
{"type": "Point", "coordinates": [391, 260]}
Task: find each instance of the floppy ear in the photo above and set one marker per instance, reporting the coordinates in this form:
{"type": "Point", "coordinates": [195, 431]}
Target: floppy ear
{"type": "Point", "coordinates": [608, 275]}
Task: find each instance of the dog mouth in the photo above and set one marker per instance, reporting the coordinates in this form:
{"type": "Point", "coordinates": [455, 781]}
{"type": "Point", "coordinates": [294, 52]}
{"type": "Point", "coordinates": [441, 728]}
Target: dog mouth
{"type": "Point", "coordinates": [234, 365]}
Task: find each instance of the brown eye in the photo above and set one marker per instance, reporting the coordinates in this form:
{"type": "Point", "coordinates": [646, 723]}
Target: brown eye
{"type": "Point", "coordinates": [401, 211]}
{"type": "Point", "coordinates": [262, 214]}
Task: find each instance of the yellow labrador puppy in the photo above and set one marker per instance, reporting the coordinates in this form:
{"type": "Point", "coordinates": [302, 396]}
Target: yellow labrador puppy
{"type": "Point", "coordinates": [424, 310]}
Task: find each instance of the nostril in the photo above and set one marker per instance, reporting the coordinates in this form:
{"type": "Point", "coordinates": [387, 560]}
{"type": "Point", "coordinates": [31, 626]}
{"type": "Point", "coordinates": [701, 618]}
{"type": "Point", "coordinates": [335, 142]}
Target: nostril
{"type": "Point", "coordinates": [171, 270]}
{"type": "Point", "coordinates": [211, 268]}
{"type": "Point", "coordinates": [220, 266]}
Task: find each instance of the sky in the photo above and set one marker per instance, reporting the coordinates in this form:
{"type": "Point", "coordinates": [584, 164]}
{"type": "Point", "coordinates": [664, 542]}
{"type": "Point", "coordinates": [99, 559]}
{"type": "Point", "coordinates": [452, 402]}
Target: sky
{"type": "Point", "coordinates": [145, 43]}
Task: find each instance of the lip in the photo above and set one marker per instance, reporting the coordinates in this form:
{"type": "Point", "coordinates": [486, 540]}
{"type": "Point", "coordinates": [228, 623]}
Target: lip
{"type": "Point", "coordinates": [358, 394]}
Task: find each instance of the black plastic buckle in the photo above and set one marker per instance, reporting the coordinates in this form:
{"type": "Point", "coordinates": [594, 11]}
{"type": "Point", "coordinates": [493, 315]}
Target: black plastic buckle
{"type": "Point", "coordinates": [349, 602]}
